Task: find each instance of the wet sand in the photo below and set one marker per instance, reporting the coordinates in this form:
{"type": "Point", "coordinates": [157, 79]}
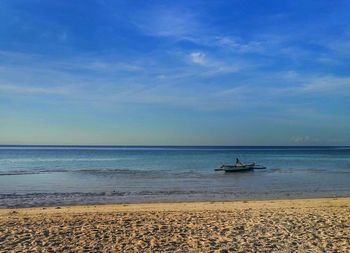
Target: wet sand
{"type": "Point", "coordinates": [308, 225]}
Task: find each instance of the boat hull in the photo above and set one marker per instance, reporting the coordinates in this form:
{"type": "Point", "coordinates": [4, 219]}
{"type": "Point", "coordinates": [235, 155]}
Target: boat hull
{"type": "Point", "coordinates": [232, 168]}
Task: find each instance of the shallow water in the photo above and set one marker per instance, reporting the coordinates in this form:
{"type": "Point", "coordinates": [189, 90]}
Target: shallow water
{"type": "Point", "coordinates": [42, 175]}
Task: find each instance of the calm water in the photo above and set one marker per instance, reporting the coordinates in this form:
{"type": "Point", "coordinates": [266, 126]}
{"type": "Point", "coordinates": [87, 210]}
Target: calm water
{"type": "Point", "coordinates": [37, 176]}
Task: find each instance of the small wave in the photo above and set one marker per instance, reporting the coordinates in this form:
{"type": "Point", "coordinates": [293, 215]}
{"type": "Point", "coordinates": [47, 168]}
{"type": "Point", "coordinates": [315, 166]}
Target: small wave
{"type": "Point", "coordinates": [48, 195]}
{"type": "Point", "coordinates": [310, 170]}
{"type": "Point", "coordinates": [90, 171]}
{"type": "Point", "coordinates": [63, 159]}
{"type": "Point", "coordinates": [117, 170]}
{"type": "Point", "coordinates": [15, 173]}
{"type": "Point", "coordinates": [62, 194]}
{"type": "Point", "coordinates": [29, 172]}
{"type": "Point", "coordinates": [282, 170]}
{"type": "Point", "coordinates": [328, 171]}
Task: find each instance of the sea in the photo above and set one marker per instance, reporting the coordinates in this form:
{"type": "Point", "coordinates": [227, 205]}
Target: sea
{"type": "Point", "coordinates": [71, 175]}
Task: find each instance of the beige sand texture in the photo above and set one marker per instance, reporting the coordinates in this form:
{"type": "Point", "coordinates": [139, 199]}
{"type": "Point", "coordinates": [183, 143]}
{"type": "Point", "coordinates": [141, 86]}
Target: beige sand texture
{"type": "Point", "coordinates": [310, 225]}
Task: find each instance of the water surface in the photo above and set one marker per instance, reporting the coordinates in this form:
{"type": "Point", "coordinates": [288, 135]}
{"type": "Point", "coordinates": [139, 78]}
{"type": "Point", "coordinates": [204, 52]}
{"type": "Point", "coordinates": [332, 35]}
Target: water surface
{"type": "Point", "coordinates": [51, 175]}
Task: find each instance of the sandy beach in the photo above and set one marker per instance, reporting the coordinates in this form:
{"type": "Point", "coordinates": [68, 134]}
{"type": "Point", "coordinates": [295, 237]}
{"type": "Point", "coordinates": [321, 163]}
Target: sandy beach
{"type": "Point", "coordinates": [307, 225]}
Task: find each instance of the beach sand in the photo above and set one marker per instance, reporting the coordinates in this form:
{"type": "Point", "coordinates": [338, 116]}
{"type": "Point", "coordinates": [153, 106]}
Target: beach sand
{"type": "Point", "coordinates": [308, 225]}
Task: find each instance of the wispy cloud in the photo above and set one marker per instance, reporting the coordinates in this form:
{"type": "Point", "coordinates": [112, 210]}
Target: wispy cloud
{"type": "Point", "coordinates": [237, 45]}
{"type": "Point", "coordinates": [187, 25]}
{"type": "Point", "coordinates": [98, 64]}
{"type": "Point", "coordinates": [98, 80]}
{"type": "Point", "coordinates": [341, 46]}
{"type": "Point", "coordinates": [293, 83]}
{"type": "Point", "coordinates": [214, 66]}
{"type": "Point", "coordinates": [237, 91]}
{"type": "Point", "coordinates": [168, 22]}
{"type": "Point", "coordinates": [34, 90]}
{"type": "Point", "coordinates": [187, 57]}
{"type": "Point", "coordinates": [328, 60]}
{"type": "Point", "coordinates": [327, 84]}
{"type": "Point", "coordinates": [182, 24]}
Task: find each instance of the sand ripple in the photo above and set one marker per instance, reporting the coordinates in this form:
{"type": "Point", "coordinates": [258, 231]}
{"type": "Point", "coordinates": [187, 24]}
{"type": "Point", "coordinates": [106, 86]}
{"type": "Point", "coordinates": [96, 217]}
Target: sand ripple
{"type": "Point", "coordinates": [242, 228]}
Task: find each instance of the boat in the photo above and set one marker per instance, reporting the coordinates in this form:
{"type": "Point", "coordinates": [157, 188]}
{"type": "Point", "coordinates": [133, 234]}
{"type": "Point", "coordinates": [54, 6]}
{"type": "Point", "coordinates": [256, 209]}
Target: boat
{"type": "Point", "coordinates": [240, 168]}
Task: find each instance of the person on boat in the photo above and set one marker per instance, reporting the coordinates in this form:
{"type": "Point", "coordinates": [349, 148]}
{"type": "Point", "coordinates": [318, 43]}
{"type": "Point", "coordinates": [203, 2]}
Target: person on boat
{"type": "Point", "coordinates": [238, 162]}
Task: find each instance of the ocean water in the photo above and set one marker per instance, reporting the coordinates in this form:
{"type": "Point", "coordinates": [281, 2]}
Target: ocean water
{"type": "Point", "coordinates": [61, 175]}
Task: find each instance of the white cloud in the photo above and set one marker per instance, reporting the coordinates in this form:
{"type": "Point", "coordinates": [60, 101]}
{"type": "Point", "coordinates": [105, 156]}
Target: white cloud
{"type": "Point", "coordinates": [305, 140]}
{"type": "Point", "coordinates": [213, 65]}
{"type": "Point", "coordinates": [198, 57]}
{"type": "Point", "coordinates": [301, 139]}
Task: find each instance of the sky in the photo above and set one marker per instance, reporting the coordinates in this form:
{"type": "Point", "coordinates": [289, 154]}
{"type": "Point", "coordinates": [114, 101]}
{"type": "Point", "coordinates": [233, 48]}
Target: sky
{"type": "Point", "coordinates": [175, 72]}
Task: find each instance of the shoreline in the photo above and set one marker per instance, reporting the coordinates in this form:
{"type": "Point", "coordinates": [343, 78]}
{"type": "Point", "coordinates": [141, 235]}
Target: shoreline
{"type": "Point", "coordinates": [65, 203]}
{"type": "Point", "coordinates": [168, 205]}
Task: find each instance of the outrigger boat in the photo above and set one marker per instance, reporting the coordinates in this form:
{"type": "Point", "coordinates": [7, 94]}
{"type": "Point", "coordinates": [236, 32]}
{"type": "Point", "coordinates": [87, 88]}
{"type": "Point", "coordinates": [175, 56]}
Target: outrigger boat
{"type": "Point", "coordinates": [240, 167]}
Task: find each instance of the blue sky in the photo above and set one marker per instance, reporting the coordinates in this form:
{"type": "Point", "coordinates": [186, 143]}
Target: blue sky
{"type": "Point", "coordinates": [175, 72]}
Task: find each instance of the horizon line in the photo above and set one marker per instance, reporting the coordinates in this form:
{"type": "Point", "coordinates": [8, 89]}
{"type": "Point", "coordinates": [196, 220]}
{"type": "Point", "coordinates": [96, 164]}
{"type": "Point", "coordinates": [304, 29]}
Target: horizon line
{"type": "Point", "coordinates": [155, 145]}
